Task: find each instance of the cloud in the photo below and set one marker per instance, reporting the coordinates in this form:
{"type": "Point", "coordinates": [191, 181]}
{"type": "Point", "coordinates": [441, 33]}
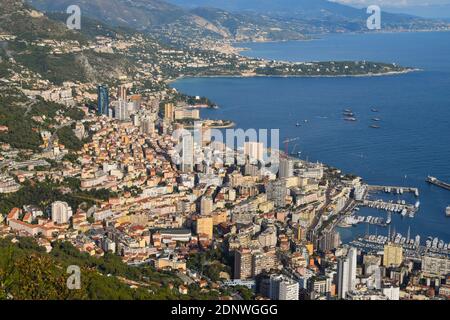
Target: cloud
{"type": "Point", "coordinates": [392, 3]}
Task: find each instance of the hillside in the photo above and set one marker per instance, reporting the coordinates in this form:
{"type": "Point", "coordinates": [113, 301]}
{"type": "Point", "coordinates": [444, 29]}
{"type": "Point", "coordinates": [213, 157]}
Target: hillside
{"type": "Point", "coordinates": [252, 20]}
{"type": "Point", "coordinates": [48, 48]}
{"type": "Point", "coordinates": [330, 16]}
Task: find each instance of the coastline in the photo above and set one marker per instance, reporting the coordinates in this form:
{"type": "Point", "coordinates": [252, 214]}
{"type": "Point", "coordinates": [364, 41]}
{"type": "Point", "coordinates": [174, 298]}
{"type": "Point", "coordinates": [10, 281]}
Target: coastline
{"type": "Point", "coordinates": [362, 75]}
{"type": "Point", "coordinates": [320, 36]}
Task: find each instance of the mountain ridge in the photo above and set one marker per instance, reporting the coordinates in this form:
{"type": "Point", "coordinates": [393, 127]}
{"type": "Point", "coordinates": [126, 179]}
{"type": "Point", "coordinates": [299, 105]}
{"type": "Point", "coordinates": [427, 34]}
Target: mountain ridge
{"type": "Point", "coordinates": [234, 20]}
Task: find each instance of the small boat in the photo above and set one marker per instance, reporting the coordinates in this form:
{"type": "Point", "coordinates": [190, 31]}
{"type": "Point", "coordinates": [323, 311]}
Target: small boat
{"type": "Point", "coordinates": [348, 114]}
{"type": "Point", "coordinates": [376, 119]}
{"type": "Point", "coordinates": [347, 110]}
{"type": "Point", "coordinates": [374, 110]}
{"type": "Point", "coordinates": [350, 119]}
{"type": "Point", "coordinates": [447, 211]}
{"type": "Point", "coordinates": [298, 124]}
{"type": "Point", "coordinates": [374, 126]}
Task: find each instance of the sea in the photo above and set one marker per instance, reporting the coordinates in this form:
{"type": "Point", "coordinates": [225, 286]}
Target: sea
{"type": "Point", "coordinates": [413, 140]}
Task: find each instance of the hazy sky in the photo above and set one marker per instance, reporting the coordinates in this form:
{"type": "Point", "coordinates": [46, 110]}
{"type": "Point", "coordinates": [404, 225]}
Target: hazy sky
{"type": "Point", "coordinates": [394, 3]}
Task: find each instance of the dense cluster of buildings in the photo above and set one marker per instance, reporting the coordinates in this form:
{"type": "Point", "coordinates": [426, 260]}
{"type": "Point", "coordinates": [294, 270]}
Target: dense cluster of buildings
{"type": "Point", "coordinates": [277, 230]}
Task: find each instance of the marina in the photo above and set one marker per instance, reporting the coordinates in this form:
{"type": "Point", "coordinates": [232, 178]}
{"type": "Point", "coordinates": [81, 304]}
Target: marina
{"type": "Point", "coordinates": [353, 220]}
{"type": "Point", "coordinates": [399, 207]}
{"type": "Point", "coordinates": [395, 190]}
{"type": "Point", "coordinates": [413, 248]}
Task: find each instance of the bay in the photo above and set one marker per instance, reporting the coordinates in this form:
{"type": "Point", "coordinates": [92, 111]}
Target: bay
{"type": "Point", "coordinates": [414, 138]}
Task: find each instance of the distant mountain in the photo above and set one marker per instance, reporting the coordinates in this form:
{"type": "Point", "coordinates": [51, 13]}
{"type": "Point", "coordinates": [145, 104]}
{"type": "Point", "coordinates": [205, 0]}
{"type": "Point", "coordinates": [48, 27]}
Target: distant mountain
{"type": "Point", "coordinates": [170, 21]}
{"type": "Point", "coordinates": [139, 14]}
{"type": "Point", "coordinates": [309, 9]}
{"type": "Point", "coordinates": [186, 21]}
{"type": "Point", "coordinates": [312, 10]}
{"type": "Point", "coordinates": [425, 11]}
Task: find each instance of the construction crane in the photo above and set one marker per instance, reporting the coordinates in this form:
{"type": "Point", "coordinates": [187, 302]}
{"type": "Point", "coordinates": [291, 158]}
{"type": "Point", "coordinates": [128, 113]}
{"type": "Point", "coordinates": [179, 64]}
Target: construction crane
{"type": "Point", "coordinates": [286, 144]}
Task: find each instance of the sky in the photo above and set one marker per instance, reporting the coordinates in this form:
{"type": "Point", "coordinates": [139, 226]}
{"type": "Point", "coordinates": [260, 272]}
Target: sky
{"type": "Point", "coordinates": [394, 3]}
{"type": "Point", "coordinates": [423, 8]}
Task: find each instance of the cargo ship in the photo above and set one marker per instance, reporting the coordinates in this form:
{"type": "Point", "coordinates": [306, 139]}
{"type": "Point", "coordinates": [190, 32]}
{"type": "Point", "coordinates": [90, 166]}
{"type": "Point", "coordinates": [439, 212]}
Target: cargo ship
{"type": "Point", "coordinates": [438, 182]}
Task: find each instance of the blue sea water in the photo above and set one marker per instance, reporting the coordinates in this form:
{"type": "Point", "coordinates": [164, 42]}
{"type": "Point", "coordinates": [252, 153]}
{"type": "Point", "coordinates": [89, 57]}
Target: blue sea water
{"type": "Point", "coordinates": [414, 138]}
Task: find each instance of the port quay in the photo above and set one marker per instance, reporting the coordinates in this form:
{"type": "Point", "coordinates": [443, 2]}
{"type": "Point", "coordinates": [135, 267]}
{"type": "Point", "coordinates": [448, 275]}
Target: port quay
{"type": "Point", "coordinates": [361, 200]}
{"type": "Point", "coordinates": [375, 243]}
{"type": "Point", "coordinates": [413, 250]}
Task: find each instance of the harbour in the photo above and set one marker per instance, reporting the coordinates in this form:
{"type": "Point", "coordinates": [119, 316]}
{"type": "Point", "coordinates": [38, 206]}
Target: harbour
{"type": "Point", "coordinates": [412, 139]}
{"type": "Point", "coordinates": [413, 248]}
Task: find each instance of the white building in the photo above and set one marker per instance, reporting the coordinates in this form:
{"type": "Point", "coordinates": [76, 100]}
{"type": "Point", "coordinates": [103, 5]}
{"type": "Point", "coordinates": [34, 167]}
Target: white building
{"type": "Point", "coordinates": [286, 168]}
{"type": "Point", "coordinates": [346, 273]}
{"type": "Point", "coordinates": [254, 151]}
{"type": "Point", "coordinates": [283, 288]}
{"type": "Point", "coordinates": [391, 292]}
{"type": "Point", "coordinates": [187, 159]}
{"type": "Point", "coordinates": [61, 212]}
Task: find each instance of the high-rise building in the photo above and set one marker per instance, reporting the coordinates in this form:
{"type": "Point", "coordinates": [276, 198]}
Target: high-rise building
{"type": "Point", "coordinates": [435, 265]}
{"type": "Point", "coordinates": [61, 212]}
{"type": "Point", "coordinates": [122, 93]}
{"type": "Point", "coordinates": [277, 192]}
{"type": "Point", "coordinates": [254, 151]}
{"type": "Point", "coordinates": [187, 159]}
{"type": "Point", "coordinates": [122, 111]}
{"type": "Point", "coordinates": [283, 288]}
{"type": "Point", "coordinates": [393, 255]}
{"type": "Point", "coordinates": [169, 112]}
{"type": "Point", "coordinates": [243, 264]}
{"type": "Point", "coordinates": [103, 100]}
{"type": "Point", "coordinates": [147, 125]}
{"type": "Point", "coordinates": [206, 206]}
{"type": "Point", "coordinates": [328, 241]}
{"type": "Point", "coordinates": [346, 273]}
{"type": "Point", "coordinates": [205, 226]}
{"type": "Point", "coordinates": [286, 168]}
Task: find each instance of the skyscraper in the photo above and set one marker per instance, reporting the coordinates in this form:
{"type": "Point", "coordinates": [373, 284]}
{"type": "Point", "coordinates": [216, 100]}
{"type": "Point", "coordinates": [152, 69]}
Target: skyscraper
{"type": "Point", "coordinates": [169, 112]}
{"type": "Point", "coordinates": [254, 151]}
{"type": "Point", "coordinates": [122, 111]}
{"type": "Point", "coordinates": [243, 264]}
{"type": "Point", "coordinates": [277, 192]}
{"type": "Point", "coordinates": [122, 93]}
{"type": "Point", "coordinates": [286, 168]}
{"type": "Point", "coordinates": [187, 159]}
{"type": "Point", "coordinates": [102, 100]}
{"type": "Point", "coordinates": [61, 212]}
{"type": "Point", "coordinates": [346, 273]}
{"type": "Point", "coordinates": [393, 255]}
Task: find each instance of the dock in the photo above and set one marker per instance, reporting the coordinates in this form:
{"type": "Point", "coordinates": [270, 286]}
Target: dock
{"type": "Point", "coordinates": [439, 183]}
{"type": "Point", "coordinates": [389, 206]}
{"type": "Point", "coordinates": [394, 189]}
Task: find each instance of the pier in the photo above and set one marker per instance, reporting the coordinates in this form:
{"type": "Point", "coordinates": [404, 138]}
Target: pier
{"type": "Point", "coordinates": [393, 189]}
{"type": "Point", "coordinates": [439, 183]}
{"type": "Point", "coordinates": [389, 206]}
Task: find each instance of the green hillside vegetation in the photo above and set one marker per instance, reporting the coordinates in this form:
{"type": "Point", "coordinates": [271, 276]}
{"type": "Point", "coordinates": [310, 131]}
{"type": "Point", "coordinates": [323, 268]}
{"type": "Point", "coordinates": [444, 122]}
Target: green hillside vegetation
{"type": "Point", "coordinates": [21, 133]}
{"type": "Point", "coordinates": [42, 194]}
{"type": "Point", "coordinates": [27, 272]}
